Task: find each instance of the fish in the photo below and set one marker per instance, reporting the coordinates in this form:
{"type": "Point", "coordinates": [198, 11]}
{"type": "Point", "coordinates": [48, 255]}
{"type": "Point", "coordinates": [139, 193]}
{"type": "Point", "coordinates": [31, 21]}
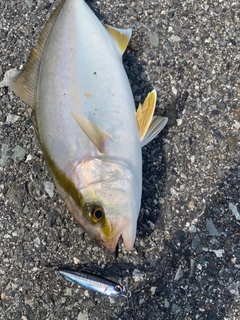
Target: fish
{"type": "Point", "coordinates": [85, 118]}
{"type": "Point", "coordinates": [95, 283]}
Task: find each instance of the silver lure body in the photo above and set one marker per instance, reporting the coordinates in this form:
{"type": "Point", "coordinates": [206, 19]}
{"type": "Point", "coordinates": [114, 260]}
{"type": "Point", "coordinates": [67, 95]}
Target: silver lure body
{"type": "Point", "coordinates": [93, 282]}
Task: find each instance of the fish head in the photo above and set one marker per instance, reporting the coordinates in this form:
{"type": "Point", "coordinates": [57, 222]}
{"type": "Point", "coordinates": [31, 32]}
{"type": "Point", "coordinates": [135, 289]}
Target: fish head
{"type": "Point", "coordinates": [111, 201]}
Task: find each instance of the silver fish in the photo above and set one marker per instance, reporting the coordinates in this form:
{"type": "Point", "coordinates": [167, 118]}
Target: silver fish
{"type": "Point", "coordinates": [85, 118]}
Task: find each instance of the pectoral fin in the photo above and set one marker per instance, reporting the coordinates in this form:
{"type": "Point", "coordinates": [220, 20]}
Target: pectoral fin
{"type": "Point", "coordinates": [25, 84]}
{"type": "Point", "coordinates": [120, 36]}
{"type": "Point", "coordinates": [149, 125]}
{"type": "Point", "coordinates": [92, 131]}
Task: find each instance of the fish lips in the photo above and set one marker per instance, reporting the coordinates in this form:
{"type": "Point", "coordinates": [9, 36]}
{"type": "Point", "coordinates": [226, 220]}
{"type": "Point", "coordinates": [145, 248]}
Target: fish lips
{"type": "Point", "coordinates": [124, 227]}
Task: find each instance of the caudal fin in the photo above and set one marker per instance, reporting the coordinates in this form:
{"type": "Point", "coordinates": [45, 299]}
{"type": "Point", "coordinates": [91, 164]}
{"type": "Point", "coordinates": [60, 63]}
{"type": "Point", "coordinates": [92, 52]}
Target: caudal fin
{"type": "Point", "coordinates": [149, 125]}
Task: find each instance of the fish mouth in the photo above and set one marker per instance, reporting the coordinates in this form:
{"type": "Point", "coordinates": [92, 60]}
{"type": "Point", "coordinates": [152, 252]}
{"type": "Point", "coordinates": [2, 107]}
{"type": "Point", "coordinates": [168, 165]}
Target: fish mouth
{"type": "Point", "coordinates": [110, 245]}
{"type": "Point", "coordinates": [120, 227]}
{"type": "Point", "coordinates": [117, 228]}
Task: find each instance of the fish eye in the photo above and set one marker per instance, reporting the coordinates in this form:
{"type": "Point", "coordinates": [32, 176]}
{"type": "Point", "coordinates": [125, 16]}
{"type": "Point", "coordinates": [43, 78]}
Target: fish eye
{"type": "Point", "coordinates": [97, 213]}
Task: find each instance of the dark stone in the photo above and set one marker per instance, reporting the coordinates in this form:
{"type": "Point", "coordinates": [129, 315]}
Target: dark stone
{"type": "Point", "coordinates": [233, 42]}
{"type": "Point", "coordinates": [212, 270]}
{"type": "Point", "coordinates": [165, 64]}
{"type": "Point", "coordinates": [171, 14]}
{"type": "Point", "coordinates": [172, 246]}
{"type": "Point", "coordinates": [180, 69]}
{"type": "Point", "coordinates": [180, 235]}
{"type": "Point", "coordinates": [52, 218]}
{"type": "Point", "coordinates": [212, 316]}
{"type": "Point", "coordinates": [16, 194]}
{"type": "Point", "coordinates": [29, 311]}
{"type": "Point", "coordinates": [171, 113]}
{"type": "Point", "coordinates": [222, 105]}
{"type": "Point", "coordinates": [37, 168]}
{"type": "Point", "coordinates": [215, 112]}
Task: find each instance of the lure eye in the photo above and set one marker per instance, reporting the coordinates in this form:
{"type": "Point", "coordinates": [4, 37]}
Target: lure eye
{"type": "Point", "coordinates": [118, 289]}
{"type": "Point", "coordinates": [97, 214]}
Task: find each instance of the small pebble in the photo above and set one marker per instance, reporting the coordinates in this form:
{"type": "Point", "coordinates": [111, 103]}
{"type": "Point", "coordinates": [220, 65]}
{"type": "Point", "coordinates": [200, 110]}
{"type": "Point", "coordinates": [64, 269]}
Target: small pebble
{"type": "Point", "coordinates": [166, 303]}
{"type": "Point", "coordinates": [191, 205]}
{"type": "Point", "coordinates": [11, 73]}
{"type": "Point", "coordinates": [68, 292]}
{"type": "Point", "coordinates": [232, 144]}
{"type": "Point", "coordinates": [153, 290]}
{"type": "Point", "coordinates": [83, 316]}
{"type": "Point", "coordinates": [12, 118]}
{"type": "Point", "coordinates": [161, 200]}
{"type": "Point", "coordinates": [175, 308]}
{"type": "Point", "coordinates": [222, 105]}
{"type": "Point", "coordinates": [154, 39]}
{"type": "Point", "coordinates": [179, 273]}
{"type": "Point", "coordinates": [219, 253]}
{"type": "Point", "coordinates": [25, 209]}
{"type": "Point", "coordinates": [196, 244]}
{"type": "Point", "coordinates": [173, 192]}
{"type": "Point", "coordinates": [175, 38]}
{"type": "Point", "coordinates": [37, 242]}
{"type": "Point", "coordinates": [49, 188]}
{"type": "Point", "coordinates": [223, 43]}
{"type": "Point", "coordinates": [18, 153]}
{"type": "Point", "coordinates": [192, 229]}
{"type": "Point", "coordinates": [76, 260]}
{"type": "Point", "coordinates": [137, 275]}
{"type": "Point", "coordinates": [236, 124]}
{"type": "Point", "coordinates": [234, 210]}
{"type": "Point", "coordinates": [174, 90]}
{"type": "Point", "coordinates": [212, 231]}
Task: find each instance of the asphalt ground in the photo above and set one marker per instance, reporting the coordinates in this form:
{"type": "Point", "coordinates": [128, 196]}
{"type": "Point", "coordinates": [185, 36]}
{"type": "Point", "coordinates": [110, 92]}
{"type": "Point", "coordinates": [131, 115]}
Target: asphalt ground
{"type": "Point", "coordinates": [186, 260]}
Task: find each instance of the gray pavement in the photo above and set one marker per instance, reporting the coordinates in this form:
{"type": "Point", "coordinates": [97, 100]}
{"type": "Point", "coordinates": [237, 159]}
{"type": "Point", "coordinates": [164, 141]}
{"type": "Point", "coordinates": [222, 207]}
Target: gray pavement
{"type": "Point", "coordinates": [186, 260]}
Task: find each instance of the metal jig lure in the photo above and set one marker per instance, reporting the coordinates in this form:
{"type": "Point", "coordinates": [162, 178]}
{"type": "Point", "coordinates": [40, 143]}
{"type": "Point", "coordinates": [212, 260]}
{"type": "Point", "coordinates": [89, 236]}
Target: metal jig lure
{"type": "Point", "coordinates": [96, 283]}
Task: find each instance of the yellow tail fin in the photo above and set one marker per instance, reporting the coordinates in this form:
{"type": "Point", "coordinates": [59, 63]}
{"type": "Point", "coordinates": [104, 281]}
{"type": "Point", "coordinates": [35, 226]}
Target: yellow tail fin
{"type": "Point", "coordinates": [148, 125]}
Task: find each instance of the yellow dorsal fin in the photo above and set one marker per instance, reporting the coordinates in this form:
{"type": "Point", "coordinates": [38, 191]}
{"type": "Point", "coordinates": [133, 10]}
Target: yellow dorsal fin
{"type": "Point", "coordinates": [92, 131]}
{"type": "Point", "coordinates": [25, 83]}
{"type": "Point", "coordinates": [120, 36]}
{"type": "Point", "coordinates": [149, 125]}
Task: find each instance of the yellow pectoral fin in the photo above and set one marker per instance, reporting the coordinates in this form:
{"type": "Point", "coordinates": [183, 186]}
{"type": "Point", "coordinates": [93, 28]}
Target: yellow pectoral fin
{"type": "Point", "coordinates": [148, 125]}
{"type": "Point", "coordinates": [120, 36]}
{"type": "Point", "coordinates": [25, 84]}
{"type": "Point", "coordinates": [92, 131]}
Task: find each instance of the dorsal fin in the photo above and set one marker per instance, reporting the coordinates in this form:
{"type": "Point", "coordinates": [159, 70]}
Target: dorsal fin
{"type": "Point", "coordinates": [97, 135]}
{"type": "Point", "coordinates": [25, 83]}
{"type": "Point", "coordinates": [149, 125]}
{"type": "Point", "coordinates": [120, 36]}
